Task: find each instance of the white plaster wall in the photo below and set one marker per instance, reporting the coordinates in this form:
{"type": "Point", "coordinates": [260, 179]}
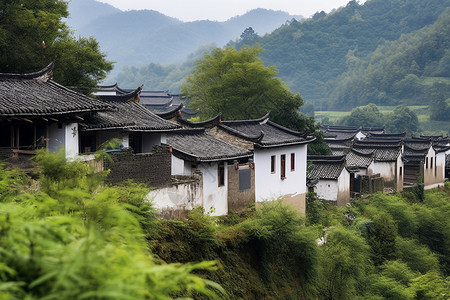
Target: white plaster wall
{"type": "Point", "coordinates": [149, 140]}
{"type": "Point", "coordinates": [56, 137]}
{"type": "Point", "coordinates": [181, 196]}
{"type": "Point", "coordinates": [269, 186]}
{"type": "Point", "coordinates": [71, 140]}
{"type": "Point", "coordinates": [386, 169]}
{"type": "Point", "coordinates": [327, 190]}
{"type": "Point", "coordinates": [400, 164]}
{"type": "Point", "coordinates": [440, 165]}
{"type": "Point", "coordinates": [371, 169]}
{"type": "Point", "coordinates": [180, 167]}
{"type": "Point", "coordinates": [360, 135]}
{"type": "Point", "coordinates": [214, 197]}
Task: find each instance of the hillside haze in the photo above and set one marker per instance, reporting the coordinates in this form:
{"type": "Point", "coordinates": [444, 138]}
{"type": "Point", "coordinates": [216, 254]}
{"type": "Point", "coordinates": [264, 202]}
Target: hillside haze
{"type": "Point", "coordinates": [138, 37]}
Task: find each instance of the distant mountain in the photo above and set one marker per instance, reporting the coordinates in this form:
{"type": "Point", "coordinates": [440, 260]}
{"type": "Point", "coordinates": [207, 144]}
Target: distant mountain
{"type": "Point", "coordinates": [312, 55]}
{"type": "Point", "coordinates": [140, 37]}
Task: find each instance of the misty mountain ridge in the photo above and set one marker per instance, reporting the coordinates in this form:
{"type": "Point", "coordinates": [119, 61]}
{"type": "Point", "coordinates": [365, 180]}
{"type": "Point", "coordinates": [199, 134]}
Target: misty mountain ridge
{"type": "Point", "coordinates": [138, 37]}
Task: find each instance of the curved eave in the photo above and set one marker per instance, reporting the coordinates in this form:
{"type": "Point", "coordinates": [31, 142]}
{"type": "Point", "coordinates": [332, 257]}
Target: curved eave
{"type": "Point", "coordinates": [208, 123]}
{"type": "Point", "coordinates": [52, 113]}
{"type": "Point", "coordinates": [263, 119]}
{"type": "Point", "coordinates": [283, 144]}
{"type": "Point", "coordinates": [285, 129]}
{"type": "Point", "coordinates": [33, 75]}
{"type": "Point", "coordinates": [122, 97]}
{"type": "Point", "coordinates": [176, 111]}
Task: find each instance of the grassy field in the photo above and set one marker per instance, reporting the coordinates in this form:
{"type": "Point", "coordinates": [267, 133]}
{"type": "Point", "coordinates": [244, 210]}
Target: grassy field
{"type": "Point", "coordinates": [426, 126]}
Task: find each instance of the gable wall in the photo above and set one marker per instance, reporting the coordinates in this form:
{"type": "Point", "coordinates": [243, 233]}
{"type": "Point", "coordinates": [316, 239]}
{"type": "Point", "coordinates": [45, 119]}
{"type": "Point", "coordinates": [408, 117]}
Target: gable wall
{"type": "Point", "coordinates": [269, 186]}
{"type": "Point", "coordinates": [327, 189]}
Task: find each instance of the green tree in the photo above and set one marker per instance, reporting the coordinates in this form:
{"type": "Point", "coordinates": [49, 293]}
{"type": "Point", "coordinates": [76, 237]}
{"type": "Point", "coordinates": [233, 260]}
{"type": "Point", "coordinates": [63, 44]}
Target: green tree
{"type": "Point", "coordinates": [32, 34]}
{"type": "Point", "coordinates": [238, 85]}
{"type": "Point", "coordinates": [69, 241]}
{"type": "Point", "coordinates": [439, 109]}
{"type": "Point", "coordinates": [368, 116]}
{"type": "Point", "coordinates": [344, 264]}
{"type": "Point", "coordinates": [402, 118]}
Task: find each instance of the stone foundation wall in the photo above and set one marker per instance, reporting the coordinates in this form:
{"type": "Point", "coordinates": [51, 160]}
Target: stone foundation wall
{"type": "Point", "coordinates": [179, 197]}
{"type": "Point", "coordinates": [152, 168]}
{"type": "Point", "coordinates": [239, 200]}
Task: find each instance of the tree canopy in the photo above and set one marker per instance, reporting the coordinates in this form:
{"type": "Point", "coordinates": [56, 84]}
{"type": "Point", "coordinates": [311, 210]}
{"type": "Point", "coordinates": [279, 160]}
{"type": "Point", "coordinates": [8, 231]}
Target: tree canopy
{"type": "Point", "coordinates": [237, 84]}
{"type": "Point", "coordinates": [32, 34]}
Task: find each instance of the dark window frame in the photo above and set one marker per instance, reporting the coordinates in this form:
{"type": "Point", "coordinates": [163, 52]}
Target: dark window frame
{"type": "Point", "coordinates": [273, 162]}
{"type": "Point", "coordinates": [283, 166]}
{"type": "Point", "coordinates": [292, 162]}
{"type": "Point", "coordinates": [221, 174]}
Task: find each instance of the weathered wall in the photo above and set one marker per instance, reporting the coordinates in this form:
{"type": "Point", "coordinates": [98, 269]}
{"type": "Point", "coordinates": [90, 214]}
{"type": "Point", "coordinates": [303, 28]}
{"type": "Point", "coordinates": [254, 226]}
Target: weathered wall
{"type": "Point", "coordinates": [71, 140]}
{"type": "Point", "coordinates": [434, 175]}
{"type": "Point", "coordinates": [296, 200]}
{"type": "Point", "coordinates": [215, 201]}
{"type": "Point", "coordinates": [400, 178]}
{"type": "Point", "coordinates": [229, 138]}
{"type": "Point", "coordinates": [152, 169]}
{"type": "Point", "coordinates": [176, 200]}
{"type": "Point", "coordinates": [327, 190]}
{"type": "Point", "coordinates": [343, 184]}
{"type": "Point", "coordinates": [370, 184]}
{"type": "Point", "coordinates": [239, 199]}
{"type": "Point", "coordinates": [387, 170]}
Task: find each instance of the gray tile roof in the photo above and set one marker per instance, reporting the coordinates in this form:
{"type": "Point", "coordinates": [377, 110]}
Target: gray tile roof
{"type": "Point", "coordinates": [325, 167]}
{"type": "Point", "coordinates": [196, 145]}
{"type": "Point", "coordinates": [128, 115]}
{"type": "Point", "coordinates": [381, 153]}
{"type": "Point", "coordinates": [355, 158]}
{"type": "Point", "coordinates": [264, 133]}
{"type": "Point", "coordinates": [35, 94]}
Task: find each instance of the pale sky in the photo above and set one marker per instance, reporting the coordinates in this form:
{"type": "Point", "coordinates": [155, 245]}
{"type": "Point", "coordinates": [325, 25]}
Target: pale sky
{"type": "Point", "coordinates": [222, 10]}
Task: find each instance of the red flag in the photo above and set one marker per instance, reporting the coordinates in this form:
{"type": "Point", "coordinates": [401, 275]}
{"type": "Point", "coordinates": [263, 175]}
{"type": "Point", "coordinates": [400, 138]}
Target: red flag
{"type": "Point", "coordinates": [43, 44]}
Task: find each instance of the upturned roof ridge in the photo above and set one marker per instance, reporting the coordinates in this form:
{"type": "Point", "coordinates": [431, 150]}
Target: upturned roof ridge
{"type": "Point", "coordinates": [207, 123]}
{"type": "Point", "coordinates": [33, 75]}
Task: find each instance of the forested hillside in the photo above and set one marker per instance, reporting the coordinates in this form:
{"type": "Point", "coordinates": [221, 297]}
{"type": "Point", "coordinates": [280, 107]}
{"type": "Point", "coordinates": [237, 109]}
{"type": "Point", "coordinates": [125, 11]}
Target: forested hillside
{"type": "Point", "coordinates": [311, 55]}
{"type": "Point", "coordinates": [399, 72]}
{"type": "Point", "coordinates": [64, 234]}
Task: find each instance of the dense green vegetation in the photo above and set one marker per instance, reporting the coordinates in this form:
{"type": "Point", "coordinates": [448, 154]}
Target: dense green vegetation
{"type": "Point", "coordinates": [33, 34]}
{"type": "Point", "coordinates": [383, 247]}
{"type": "Point", "coordinates": [64, 235]}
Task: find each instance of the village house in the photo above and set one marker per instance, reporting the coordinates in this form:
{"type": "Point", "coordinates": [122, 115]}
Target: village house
{"type": "Point", "coordinates": [279, 157]}
{"type": "Point", "coordinates": [226, 170]}
{"type": "Point", "coordinates": [387, 155]}
{"type": "Point", "coordinates": [36, 112]}
{"type": "Point", "coordinates": [424, 162]}
{"type": "Point", "coordinates": [332, 178]}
